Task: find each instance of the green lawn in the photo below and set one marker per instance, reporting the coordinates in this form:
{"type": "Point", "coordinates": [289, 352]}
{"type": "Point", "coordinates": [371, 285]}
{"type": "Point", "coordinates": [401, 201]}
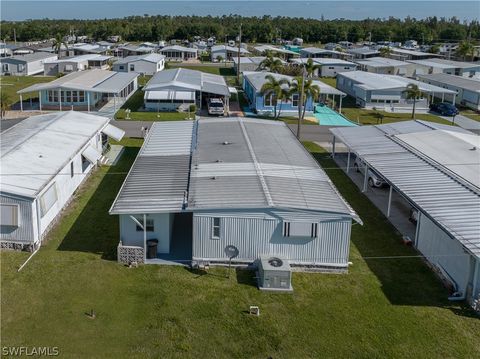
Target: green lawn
{"type": "Point", "coordinates": [471, 114]}
{"type": "Point", "coordinates": [11, 84]}
{"type": "Point", "coordinates": [382, 308]}
{"type": "Point", "coordinates": [152, 116]}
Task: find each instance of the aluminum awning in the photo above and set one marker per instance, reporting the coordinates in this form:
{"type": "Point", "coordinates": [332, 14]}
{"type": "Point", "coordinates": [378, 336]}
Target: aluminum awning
{"type": "Point", "coordinates": [170, 95]}
{"type": "Point", "coordinates": [91, 154]}
{"type": "Point", "coordinates": [114, 132]}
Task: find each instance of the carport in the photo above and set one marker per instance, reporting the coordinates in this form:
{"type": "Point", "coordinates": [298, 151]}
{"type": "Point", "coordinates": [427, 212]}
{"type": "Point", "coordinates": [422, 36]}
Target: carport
{"type": "Point", "coordinates": [432, 168]}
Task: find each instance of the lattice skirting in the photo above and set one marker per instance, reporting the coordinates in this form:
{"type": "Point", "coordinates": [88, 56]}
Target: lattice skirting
{"type": "Point", "coordinates": [130, 254]}
{"type": "Point", "coordinates": [15, 246]}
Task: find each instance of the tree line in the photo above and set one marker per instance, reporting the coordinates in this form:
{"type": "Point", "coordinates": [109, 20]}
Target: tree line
{"type": "Point", "coordinates": [254, 29]}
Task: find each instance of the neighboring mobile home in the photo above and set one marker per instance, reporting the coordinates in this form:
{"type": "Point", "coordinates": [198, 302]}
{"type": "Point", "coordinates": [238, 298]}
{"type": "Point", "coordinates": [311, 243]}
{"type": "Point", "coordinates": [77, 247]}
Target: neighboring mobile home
{"type": "Point", "coordinates": [436, 66]}
{"type": "Point", "coordinates": [434, 170]}
{"type": "Point", "coordinates": [387, 91]}
{"type": "Point", "coordinates": [83, 90]}
{"type": "Point", "coordinates": [227, 53]}
{"type": "Point", "coordinates": [44, 159]}
{"type": "Point", "coordinates": [251, 63]}
{"type": "Point", "coordinates": [386, 66]}
{"type": "Point", "coordinates": [142, 64]}
{"type": "Point", "coordinates": [467, 89]}
{"type": "Point", "coordinates": [328, 67]}
{"type": "Point", "coordinates": [177, 89]}
{"type": "Point", "coordinates": [264, 103]}
{"type": "Point", "coordinates": [230, 181]}
{"type": "Point", "coordinates": [25, 65]}
{"type": "Point", "coordinates": [179, 53]}
{"type": "Point", "coordinates": [73, 64]}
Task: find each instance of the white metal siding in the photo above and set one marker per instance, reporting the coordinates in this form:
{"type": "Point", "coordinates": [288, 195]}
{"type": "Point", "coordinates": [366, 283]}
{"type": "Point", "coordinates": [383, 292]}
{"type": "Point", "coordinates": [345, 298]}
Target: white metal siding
{"type": "Point", "coordinates": [259, 233]}
{"type": "Point", "coordinates": [24, 232]}
{"type": "Point", "coordinates": [444, 252]}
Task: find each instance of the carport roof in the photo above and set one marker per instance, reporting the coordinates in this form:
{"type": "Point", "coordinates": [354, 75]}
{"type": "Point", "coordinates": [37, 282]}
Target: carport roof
{"type": "Point", "coordinates": [432, 165]}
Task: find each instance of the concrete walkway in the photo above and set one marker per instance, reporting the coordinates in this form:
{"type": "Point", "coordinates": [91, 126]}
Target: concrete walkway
{"type": "Point", "coordinates": [400, 208]}
{"type": "Point", "coordinates": [110, 108]}
{"type": "Point", "coordinates": [465, 122]}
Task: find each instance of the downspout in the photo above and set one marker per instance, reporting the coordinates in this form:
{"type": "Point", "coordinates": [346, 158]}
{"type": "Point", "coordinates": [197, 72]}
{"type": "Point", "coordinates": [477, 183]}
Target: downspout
{"type": "Point", "coordinates": [39, 236]}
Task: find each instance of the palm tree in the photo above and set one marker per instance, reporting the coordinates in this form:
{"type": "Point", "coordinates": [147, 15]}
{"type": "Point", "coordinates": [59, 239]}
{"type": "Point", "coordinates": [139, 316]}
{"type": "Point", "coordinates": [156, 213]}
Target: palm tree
{"type": "Point", "coordinates": [310, 68]}
{"type": "Point", "coordinates": [274, 88]}
{"type": "Point", "coordinates": [271, 64]}
{"type": "Point", "coordinates": [310, 90]}
{"type": "Point", "coordinates": [57, 44]}
{"type": "Point", "coordinates": [412, 92]}
{"type": "Point", "coordinates": [466, 48]}
{"type": "Point", "coordinates": [385, 51]}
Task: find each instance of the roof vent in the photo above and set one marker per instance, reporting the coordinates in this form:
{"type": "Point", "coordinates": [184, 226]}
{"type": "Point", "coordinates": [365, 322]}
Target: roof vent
{"type": "Point", "coordinates": [213, 178]}
{"type": "Point", "coordinates": [226, 143]}
{"type": "Point", "coordinates": [218, 161]}
{"type": "Point", "coordinates": [474, 148]}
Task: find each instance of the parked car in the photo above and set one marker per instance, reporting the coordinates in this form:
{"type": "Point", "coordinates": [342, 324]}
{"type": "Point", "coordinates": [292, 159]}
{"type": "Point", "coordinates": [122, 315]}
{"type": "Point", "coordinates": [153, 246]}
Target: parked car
{"type": "Point", "coordinates": [215, 106]}
{"type": "Point", "coordinates": [444, 108]}
{"type": "Point", "coordinates": [374, 179]}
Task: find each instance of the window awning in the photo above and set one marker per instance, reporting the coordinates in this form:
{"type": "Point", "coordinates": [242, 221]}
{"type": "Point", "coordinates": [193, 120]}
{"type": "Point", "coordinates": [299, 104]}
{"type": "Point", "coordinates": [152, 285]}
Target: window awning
{"type": "Point", "coordinates": [114, 132]}
{"type": "Point", "coordinates": [91, 154]}
{"type": "Point", "coordinates": [170, 95]}
{"type": "Point", "coordinates": [232, 89]}
{"type": "Point", "coordinates": [385, 97]}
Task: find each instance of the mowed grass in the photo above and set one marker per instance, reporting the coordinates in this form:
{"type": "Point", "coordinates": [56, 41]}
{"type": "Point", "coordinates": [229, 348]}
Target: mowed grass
{"type": "Point", "coordinates": [11, 84]}
{"type": "Point", "coordinates": [471, 114]}
{"type": "Point", "coordinates": [383, 308]}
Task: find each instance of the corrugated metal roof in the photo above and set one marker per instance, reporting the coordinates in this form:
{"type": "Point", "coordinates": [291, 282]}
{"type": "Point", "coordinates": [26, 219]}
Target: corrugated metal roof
{"type": "Point", "coordinates": [446, 64]}
{"type": "Point", "coordinates": [373, 81]}
{"type": "Point", "coordinates": [155, 58]}
{"type": "Point", "coordinates": [188, 79]}
{"type": "Point", "coordinates": [36, 149]}
{"type": "Point", "coordinates": [158, 179]}
{"type": "Point", "coordinates": [439, 190]}
{"type": "Point", "coordinates": [251, 163]}
{"type": "Point", "coordinates": [257, 79]}
{"type": "Point", "coordinates": [236, 163]}
{"type": "Point", "coordinates": [89, 80]}
{"type": "Point", "coordinates": [30, 57]}
{"type": "Point", "coordinates": [466, 83]}
{"type": "Point", "coordinates": [382, 62]}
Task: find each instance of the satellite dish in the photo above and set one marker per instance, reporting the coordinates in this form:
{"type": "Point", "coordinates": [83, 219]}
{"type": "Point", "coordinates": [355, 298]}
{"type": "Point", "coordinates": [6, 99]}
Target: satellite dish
{"type": "Point", "coordinates": [231, 251]}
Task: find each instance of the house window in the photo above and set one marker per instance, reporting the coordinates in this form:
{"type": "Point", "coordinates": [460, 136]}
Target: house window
{"type": "Point", "coordinates": [48, 199]}
{"type": "Point", "coordinates": [9, 215]}
{"type": "Point", "coordinates": [81, 96]}
{"type": "Point", "coordinates": [68, 68]}
{"type": "Point", "coordinates": [68, 95]}
{"type": "Point", "coordinates": [300, 229]}
{"type": "Point", "coordinates": [121, 67]}
{"type": "Point", "coordinates": [295, 99]}
{"type": "Point", "coordinates": [216, 228]}
{"type": "Point", "coordinates": [71, 169]}
{"type": "Point", "coordinates": [85, 163]}
{"type": "Point", "coordinates": [132, 67]}
{"type": "Point", "coordinates": [149, 227]}
{"type": "Point", "coordinates": [269, 100]}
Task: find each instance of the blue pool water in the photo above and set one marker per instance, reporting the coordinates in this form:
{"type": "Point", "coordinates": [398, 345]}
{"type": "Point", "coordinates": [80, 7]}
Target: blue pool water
{"type": "Point", "coordinates": [328, 117]}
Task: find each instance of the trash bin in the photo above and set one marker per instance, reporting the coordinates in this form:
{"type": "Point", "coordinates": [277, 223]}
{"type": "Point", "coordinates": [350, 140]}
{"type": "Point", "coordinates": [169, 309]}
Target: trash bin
{"type": "Point", "coordinates": [152, 245]}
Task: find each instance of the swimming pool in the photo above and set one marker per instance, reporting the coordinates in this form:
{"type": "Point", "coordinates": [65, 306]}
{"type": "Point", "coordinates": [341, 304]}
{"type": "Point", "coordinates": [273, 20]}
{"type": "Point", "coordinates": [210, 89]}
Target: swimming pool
{"type": "Point", "coordinates": [328, 117]}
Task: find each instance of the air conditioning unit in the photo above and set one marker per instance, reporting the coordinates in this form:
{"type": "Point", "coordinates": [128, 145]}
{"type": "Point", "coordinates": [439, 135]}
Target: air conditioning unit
{"type": "Point", "coordinates": [274, 274]}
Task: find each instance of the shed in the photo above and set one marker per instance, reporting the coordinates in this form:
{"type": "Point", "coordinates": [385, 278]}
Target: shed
{"type": "Point", "coordinates": [197, 187]}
